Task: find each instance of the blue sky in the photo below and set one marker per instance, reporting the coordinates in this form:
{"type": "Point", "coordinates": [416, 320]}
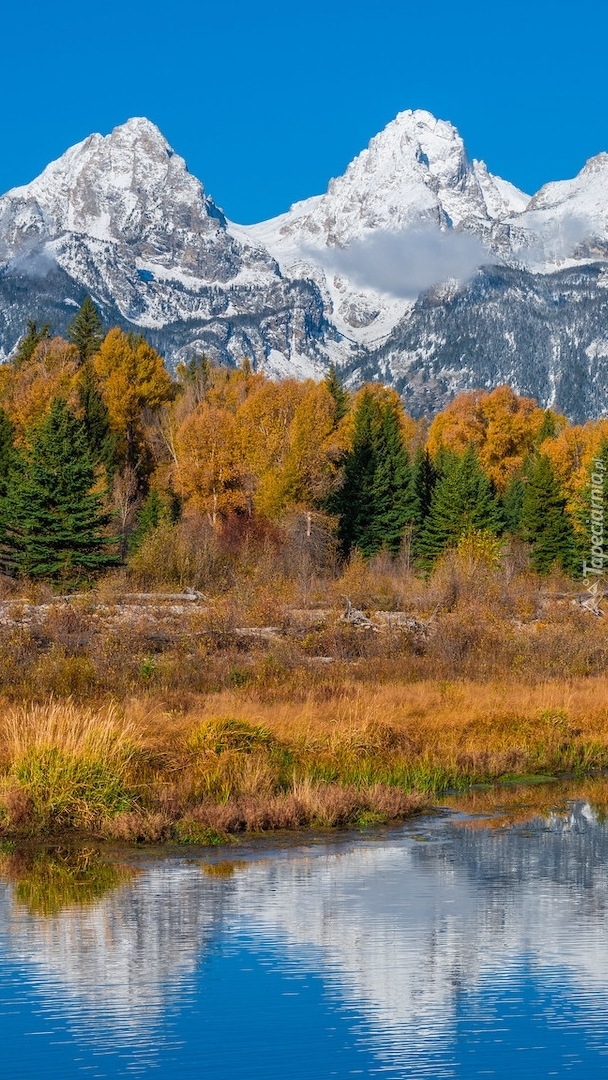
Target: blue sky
{"type": "Point", "coordinates": [267, 100]}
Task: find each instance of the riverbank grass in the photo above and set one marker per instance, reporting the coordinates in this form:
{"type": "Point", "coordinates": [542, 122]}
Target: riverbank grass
{"type": "Point", "coordinates": [241, 761]}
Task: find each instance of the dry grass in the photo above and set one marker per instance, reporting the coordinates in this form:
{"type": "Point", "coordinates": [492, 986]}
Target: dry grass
{"type": "Point", "coordinates": [156, 723]}
{"type": "Point", "coordinates": [66, 765]}
{"type": "Point", "coordinates": [236, 761]}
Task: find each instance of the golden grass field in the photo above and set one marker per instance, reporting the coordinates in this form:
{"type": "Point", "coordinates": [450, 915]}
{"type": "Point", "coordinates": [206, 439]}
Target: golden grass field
{"type": "Point", "coordinates": [262, 709]}
{"type": "Point", "coordinates": [234, 762]}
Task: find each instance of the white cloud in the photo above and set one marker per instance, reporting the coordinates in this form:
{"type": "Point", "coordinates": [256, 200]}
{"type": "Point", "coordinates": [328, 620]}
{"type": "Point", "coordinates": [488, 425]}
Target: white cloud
{"type": "Point", "coordinates": [405, 263]}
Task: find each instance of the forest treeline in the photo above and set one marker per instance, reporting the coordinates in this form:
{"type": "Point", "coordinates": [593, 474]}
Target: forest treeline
{"type": "Point", "coordinates": [105, 458]}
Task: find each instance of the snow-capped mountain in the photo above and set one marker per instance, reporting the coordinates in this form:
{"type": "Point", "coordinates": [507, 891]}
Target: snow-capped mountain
{"type": "Point", "coordinates": [415, 184]}
{"type": "Point", "coordinates": [121, 217]}
{"type": "Point", "coordinates": [417, 266]}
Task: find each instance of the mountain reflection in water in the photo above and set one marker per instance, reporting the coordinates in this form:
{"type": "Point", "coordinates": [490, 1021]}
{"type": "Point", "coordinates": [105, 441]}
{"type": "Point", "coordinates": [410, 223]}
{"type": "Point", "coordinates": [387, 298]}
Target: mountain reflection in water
{"type": "Point", "coordinates": [379, 954]}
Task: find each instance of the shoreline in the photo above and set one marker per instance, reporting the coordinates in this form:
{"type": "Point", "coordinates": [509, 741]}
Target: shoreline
{"type": "Point", "coordinates": [134, 719]}
{"type": "Point", "coordinates": [494, 805]}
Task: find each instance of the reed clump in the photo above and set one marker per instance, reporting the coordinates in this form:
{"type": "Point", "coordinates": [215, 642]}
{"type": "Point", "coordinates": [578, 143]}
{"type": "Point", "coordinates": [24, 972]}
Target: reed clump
{"type": "Point", "coordinates": [66, 765]}
{"type": "Point", "coordinates": [350, 754]}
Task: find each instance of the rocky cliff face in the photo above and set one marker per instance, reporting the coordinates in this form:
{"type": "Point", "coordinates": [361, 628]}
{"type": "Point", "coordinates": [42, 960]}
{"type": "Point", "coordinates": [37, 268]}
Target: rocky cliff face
{"type": "Point", "coordinates": [416, 266]}
{"type": "Point", "coordinates": [122, 219]}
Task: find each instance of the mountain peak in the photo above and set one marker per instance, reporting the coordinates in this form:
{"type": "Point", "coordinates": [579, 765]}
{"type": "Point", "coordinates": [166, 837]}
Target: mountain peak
{"type": "Point", "coordinates": [112, 186]}
{"type": "Point", "coordinates": [138, 125]}
{"type": "Point", "coordinates": [139, 133]}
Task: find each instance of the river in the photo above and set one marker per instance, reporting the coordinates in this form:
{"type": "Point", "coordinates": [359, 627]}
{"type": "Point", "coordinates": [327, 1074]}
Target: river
{"type": "Point", "coordinates": [463, 944]}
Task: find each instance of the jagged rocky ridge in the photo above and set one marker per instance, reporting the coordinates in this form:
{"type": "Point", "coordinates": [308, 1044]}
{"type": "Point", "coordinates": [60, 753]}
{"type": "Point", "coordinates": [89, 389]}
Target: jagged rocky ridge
{"type": "Point", "coordinates": [356, 276]}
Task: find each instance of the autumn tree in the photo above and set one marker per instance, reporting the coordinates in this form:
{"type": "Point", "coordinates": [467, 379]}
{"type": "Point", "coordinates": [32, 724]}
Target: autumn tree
{"type": "Point", "coordinates": [210, 469]}
{"type": "Point", "coordinates": [264, 422]}
{"type": "Point", "coordinates": [28, 390]}
{"type": "Point", "coordinates": [502, 426]}
{"type": "Point", "coordinates": [303, 475]}
{"type": "Point", "coordinates": [132, 379]}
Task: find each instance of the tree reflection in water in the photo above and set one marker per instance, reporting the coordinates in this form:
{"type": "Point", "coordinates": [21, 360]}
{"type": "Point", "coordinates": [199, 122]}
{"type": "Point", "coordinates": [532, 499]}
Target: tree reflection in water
{"type": "Point", "coordinates": [50, 880]}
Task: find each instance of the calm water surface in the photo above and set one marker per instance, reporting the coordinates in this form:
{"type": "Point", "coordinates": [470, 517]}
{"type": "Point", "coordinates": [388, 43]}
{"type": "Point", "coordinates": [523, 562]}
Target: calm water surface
{"type": "Point", "coordinates": [461, 946]}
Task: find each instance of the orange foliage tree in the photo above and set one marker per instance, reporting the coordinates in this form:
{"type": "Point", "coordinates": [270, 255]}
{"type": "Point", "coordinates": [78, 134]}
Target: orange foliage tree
{"type": "Point", "coordinates": [209, 465]}
{"type": "Point", "coordinates": [290, 443]}
{"type": "Point", "coordinates": [502, 426]}
{"type": "Point", "coordinates": [29, 389]}
{"type": "Point", "coordinates": [132, 378]}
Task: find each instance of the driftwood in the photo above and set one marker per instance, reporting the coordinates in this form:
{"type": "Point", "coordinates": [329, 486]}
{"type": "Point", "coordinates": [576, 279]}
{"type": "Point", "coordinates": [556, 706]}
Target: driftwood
{"type": "Point", "coordinates": [590, 599]}
{"type": "Point", "coordinates": [386, 620]}
{"type": "Point", "coordinates": [357, 618]}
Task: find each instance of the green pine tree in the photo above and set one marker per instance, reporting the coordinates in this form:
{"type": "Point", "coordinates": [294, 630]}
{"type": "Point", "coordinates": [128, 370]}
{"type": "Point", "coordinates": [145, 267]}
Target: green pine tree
{"type": "Point", "coordinates": [424, 479]}
{"type": "Point", "coordinates": [56, 525]}
{"type": "Point", "coordinates": [512, 502]}
{"type": "Point", "coordinates": [337, 391]}
{"type": "Point", "coordinates": [102, 442]}
{"type": "Point", "coordinates": [545, 524]}
{"type": "Point", "coordinates": [156, 509]}
{"type": "Point", "coordinates": [550, 427]}
{"type": "Point", "coordinates": [393, 494]}
{"type": "Point", "coordinates": [354, 502]}
{"type": "Point", "coordinates": [8, 462]}
{"type": "Point", "coordinates": [85, 330]}
{"type": "Point", "coordinates": [463, 500]}
{"type": "Point", "coordinates": [29, 342]}
{"type": "Point", "coordinates": [375, 502]}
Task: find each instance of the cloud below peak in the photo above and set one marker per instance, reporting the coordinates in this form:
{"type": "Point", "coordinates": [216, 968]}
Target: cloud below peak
{"type": "Point", "coordinates": [405, 263]}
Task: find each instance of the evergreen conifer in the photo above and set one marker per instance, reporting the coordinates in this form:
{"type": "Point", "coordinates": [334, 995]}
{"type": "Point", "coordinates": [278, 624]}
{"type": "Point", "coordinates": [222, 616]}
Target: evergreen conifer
{"type": "Point", "coordinates": [29, 342]}
{"type": "Point", "coordinates": [512, 503]}
{"type": "Point", "coordinates": [393, 494]}
{"type": "Point", "coordinates": [337, 391]}
{"type": "Point", "coordinates": [96, 420]}
{"type": "Point", "coordinates": [544, 523]}
{"type": "Point", "coordinates": [8, 461]}
{"type": "Point", "coordinates": [376, 501]}
{"type": "Point", "coordinates": [424, 478]}
{"type": "Point", "coordinates": [56, 522]}
{"type": "Point", "coordinates": [463, 500]}
{"type": "Point", "coordinates": [354, 502]}
{"type": "Point", "coordinates": [85, 330]}
{"type": "Point", "coordinates": [155, 510]}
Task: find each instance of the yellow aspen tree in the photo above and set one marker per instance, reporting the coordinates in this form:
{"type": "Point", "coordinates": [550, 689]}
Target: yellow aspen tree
{"type": "Point", "coordinates": [502, 426]}
{"type": "Point", "coordinates": [49, 373]}
{"type": "Point", "coordinates": [264, 421]}
{"type": "Point", "coordinates": [311, 455]}
{"type": "Point", "coordinates": [511, 428]}
{"type": "Point", "coordinates": [132, 378]}
{"type": "Point", "coordinates": [209, 470]}
{"type": "Point", "coordinates": [570, 453]}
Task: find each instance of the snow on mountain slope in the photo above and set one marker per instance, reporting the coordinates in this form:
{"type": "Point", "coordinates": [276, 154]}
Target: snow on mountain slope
{"type": "Point", "coordinates": [123, 217]}
{"type": "Point", "coordinates": [125, 204]}
{"type": "Point", "coordinates": [567, 221]}
{"type": "Point", "coordinates": [415, 177]}
{"type": "Point", "coordinates": [380, 275]}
